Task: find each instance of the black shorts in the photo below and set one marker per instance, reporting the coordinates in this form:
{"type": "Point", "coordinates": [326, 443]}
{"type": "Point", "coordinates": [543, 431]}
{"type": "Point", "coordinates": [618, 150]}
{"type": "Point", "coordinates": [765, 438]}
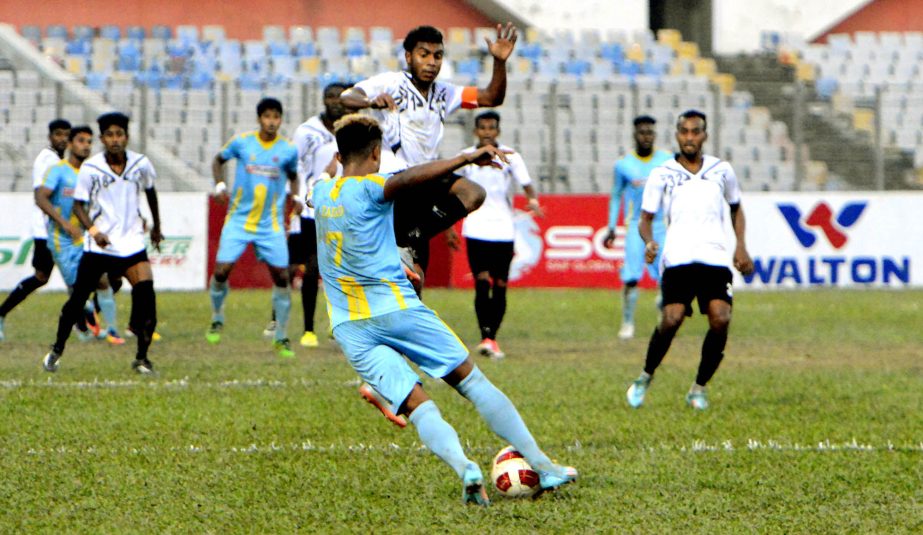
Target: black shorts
{"type": "Point", "coordinates": [41, 256]}
{"type": "Point", "coordinates": [303, 245]}
{"type": "Point", "coordinates": [93, 265]}
{"type": "Point", "coordinates": [409, 210]}
{"type": "Point", "coordinates": [680, 284]}
{"type": "Point", "coordinates": [493, 257]}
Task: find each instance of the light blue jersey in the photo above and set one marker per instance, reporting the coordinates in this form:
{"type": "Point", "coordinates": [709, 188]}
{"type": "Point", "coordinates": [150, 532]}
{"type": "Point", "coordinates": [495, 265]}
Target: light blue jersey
{"type": "Point", "coordinates": [258, 195]}
{"type": "Point", "coordinates": [356, 250]}
{"type": "Point", "coordinates": [631, 174]}
{"type": "Point", "coordinates": [61, 179]}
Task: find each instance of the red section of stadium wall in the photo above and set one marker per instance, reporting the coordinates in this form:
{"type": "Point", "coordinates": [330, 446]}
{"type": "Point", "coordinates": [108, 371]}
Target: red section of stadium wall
{"type": "Point", "coordinates": [880, 16]}
{"type": "Point", "coordinates": [245, 19]}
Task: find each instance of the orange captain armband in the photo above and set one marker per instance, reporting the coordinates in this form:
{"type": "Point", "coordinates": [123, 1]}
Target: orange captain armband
{"type": "Point", "coordinates": [469, 97]}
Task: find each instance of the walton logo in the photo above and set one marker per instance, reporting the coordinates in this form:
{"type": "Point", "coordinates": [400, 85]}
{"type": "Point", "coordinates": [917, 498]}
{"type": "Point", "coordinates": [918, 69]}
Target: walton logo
{"type": "Point", "coordinates": [822, 217]}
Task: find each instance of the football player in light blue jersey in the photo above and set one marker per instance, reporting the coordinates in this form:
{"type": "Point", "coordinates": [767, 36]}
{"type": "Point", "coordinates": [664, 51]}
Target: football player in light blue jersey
{"type": "Point", "coordinates": [376, 315]}
{"type": "Point", "coordinates": [265, 161]}
{"type": "Point", "coordinates": [55, 197]}
{"type": "Point", "coordinates": [631, 173]}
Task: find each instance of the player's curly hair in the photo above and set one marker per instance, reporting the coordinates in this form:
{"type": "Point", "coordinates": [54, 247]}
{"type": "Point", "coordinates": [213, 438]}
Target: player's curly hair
{"type": "Point", "coordinates": [422, 34]}
{"type": "Point", "coordinates": [357, 136]}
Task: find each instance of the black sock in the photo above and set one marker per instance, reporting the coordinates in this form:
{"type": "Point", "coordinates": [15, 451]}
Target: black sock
{"type": "Point", "coordinates": [445, 213]}
{"type": "Point", "coordinates": [482, 307]}
{"type": "Point", "coordinates": [657, 349]}
{"type": "Point", "coordinates": [498, 304]}
{"type": "Point", "coordinates": [18, 295]}
{"type": "Point", "coordinates": [712, 354]}
{"type": "Point", "coordinates": [143, 315]}
{"type": "Point", "coordinates": [309, 299]}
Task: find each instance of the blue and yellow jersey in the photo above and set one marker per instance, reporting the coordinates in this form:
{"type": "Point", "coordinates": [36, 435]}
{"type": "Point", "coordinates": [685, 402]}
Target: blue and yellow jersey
{"type": "Point", "coordinates": [258, 194]}
{"type": "Point", "coordinates": [356, 251]}
{"type": "Point", "coordinates": [631, 174]}
{"type": "Point", "coordinates": [61, 179]}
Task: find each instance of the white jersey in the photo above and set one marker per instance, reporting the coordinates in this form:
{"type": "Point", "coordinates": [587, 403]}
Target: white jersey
{"type": "Point", "coordinates": [694, 207]}
{"type": "Point", "coordinates": [114, 201]}
{"type": "Point", "coordinates": [316, 147]}
{"type": "Point", "coordinates": [493, 221]}
{"type": "Point", "coordinates": [414, 131]}
{"type": "Point", "coordinates": [43, 162]}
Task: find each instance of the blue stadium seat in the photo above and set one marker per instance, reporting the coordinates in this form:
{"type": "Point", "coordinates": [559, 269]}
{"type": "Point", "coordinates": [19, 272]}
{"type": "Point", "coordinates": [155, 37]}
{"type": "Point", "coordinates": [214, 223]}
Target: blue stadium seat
{"type": "Point", "coordinates": [305, 49]}
{"type": "Point", "coordinates": [612, 51]}
{"type": "Point", "coordinates": [250, 80]}
{"type": "Point", "coordinates": [84, 33]}
{"type": "Point", "coordinates": [175, 81]}
{"type": "Point", "coordinates": [57, 31]}
{"type": "Point", "coordinates": [468, 67]}
{"type": "Point", "coordinates": [161, 32]}
{"type": "Point", "coordinates": [135, 32]}
{"type": "Point", "coordinates": [356, 49]}
{"type": "Point", "coordinates": [32, 33]}
{"type": "Point", "coordinates": [655, 68]}
{"type": "Point", "coordinates": [630, 68]}
{"type": "Point", "coordinates": [200, 80]}
{"type": "Point", "coordinates": [577, 67]}
{"type": "Point", "coordinates": [110, 32]}
{"type": "Point", "coordinates": [78, 47]}
{"type": "Point", "coordinates": [97, 81]}
{"type": "Point", "coordinates": [129, 57]}
{"type": "Point", "coordinates": [531, 51]}
{"type": "Point", "coordinates": [826, 87]}
{"type": "Point", "coordinates": [277, 49]}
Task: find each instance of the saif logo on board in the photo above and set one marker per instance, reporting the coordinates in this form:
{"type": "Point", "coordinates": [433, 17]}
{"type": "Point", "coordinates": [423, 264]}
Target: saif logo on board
{"type": "Point", "coordinates": [812, 268]}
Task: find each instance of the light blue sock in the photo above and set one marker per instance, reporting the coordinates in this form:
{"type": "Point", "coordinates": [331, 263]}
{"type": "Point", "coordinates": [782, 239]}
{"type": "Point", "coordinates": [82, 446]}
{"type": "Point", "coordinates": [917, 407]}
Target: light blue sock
{"type": "Point", "coordinates": [281, 308]}
{"type": "Point", "coordinates": [218, 291]}
{"type": "Point", "coordinates": [439, 436]}
{"type": "Point", "coordinates": [631, 301]}
{"type": "Point", "coordinates": [498, 411]}
{"type": "Point", "coordinates": [106, 300]}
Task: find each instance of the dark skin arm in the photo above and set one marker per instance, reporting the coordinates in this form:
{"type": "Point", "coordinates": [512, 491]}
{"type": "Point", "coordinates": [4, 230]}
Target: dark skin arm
{"type": "Point", "coordinates": [218, 175]}
{"type": "Point", "coordinates": [156, 234]}
{"type": "Point", "coordinates": [495, 92]}
{"type": "Point", "coordinates": [419, 174]}
{"type": "Point", "coordinates": [43, 201]}
{"type": "Point", "coordinates": [742, 260]}
{"type": "Point", "coordinates": [355, 99]}
{"type": "Point", "coordinates": [646, 230]}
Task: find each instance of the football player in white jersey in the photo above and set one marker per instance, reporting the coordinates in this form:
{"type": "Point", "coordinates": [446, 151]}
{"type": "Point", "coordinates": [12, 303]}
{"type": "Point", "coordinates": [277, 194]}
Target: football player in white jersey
{"type": "Point", "coordinates": [695, 191]}
{"type": "Point", "coordinates": [412, 107]}
{"type": "Point", "coordinates": [316, 148]}
{"type": "Point", "coordinates": [489, 231]}
{"type": "Point", "coordinates": [107, 204]}
{"type": "Point", "coordinates": [42, 262]}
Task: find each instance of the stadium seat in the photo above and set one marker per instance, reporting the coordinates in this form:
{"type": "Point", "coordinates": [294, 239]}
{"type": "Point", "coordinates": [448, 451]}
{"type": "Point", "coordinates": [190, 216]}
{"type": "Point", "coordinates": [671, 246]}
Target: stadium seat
{"type": "Point", "coordinates": [110, 32]}
{"type": "Point", "coordinates": [84, 33]}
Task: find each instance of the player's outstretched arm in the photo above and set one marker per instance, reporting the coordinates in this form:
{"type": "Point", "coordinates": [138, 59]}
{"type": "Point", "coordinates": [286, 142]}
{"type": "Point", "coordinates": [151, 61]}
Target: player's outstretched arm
{"type": "Point", "coordinates": [646, 230]}
{"type": "Point", "coordinates": [355, 98]}
{"type": "Point", "coordinates": [495, 92]}
{"type": "Point", "coordinates": [742, 260]}
{"type": "Point", "coordinates": [153, 204]}
{"type": "Point", "coordinates": [418, 174]}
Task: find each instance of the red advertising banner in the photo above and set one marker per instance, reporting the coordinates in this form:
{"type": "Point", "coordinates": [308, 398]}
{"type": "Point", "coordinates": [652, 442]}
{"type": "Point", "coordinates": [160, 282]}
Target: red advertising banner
{"type": "Point", "coordinates": [564, 249]}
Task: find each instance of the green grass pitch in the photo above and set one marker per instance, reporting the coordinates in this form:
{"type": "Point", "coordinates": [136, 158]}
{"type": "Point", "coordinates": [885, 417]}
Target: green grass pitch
{"type": "Point", "coordinates": [815, 425]}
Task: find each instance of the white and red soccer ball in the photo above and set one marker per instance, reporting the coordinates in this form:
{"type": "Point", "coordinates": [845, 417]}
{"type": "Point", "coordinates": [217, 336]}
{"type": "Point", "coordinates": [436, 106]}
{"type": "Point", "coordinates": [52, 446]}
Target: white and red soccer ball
{"type": "Point", "coordinates": [512, 475]}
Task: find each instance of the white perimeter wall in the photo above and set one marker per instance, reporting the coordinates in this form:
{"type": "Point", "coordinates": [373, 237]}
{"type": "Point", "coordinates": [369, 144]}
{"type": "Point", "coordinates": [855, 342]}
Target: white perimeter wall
{"type": "Point", "coordinates": [737, 23]}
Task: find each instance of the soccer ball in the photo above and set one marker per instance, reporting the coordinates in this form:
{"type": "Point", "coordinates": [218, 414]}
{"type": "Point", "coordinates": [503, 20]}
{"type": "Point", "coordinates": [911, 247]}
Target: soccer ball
{"type": "Point", "coordinates": [512, 475]}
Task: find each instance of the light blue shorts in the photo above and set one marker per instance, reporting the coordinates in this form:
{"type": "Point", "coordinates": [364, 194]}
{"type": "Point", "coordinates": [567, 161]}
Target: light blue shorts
{"type": "Point", "coordinates": [68, 260]}
{"type": "Point", "coordinates": [374, 347]}
{"type": "Point", "coordinates": [270, 247]}
{"type": "Point", "coordinates": [634, 265]}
